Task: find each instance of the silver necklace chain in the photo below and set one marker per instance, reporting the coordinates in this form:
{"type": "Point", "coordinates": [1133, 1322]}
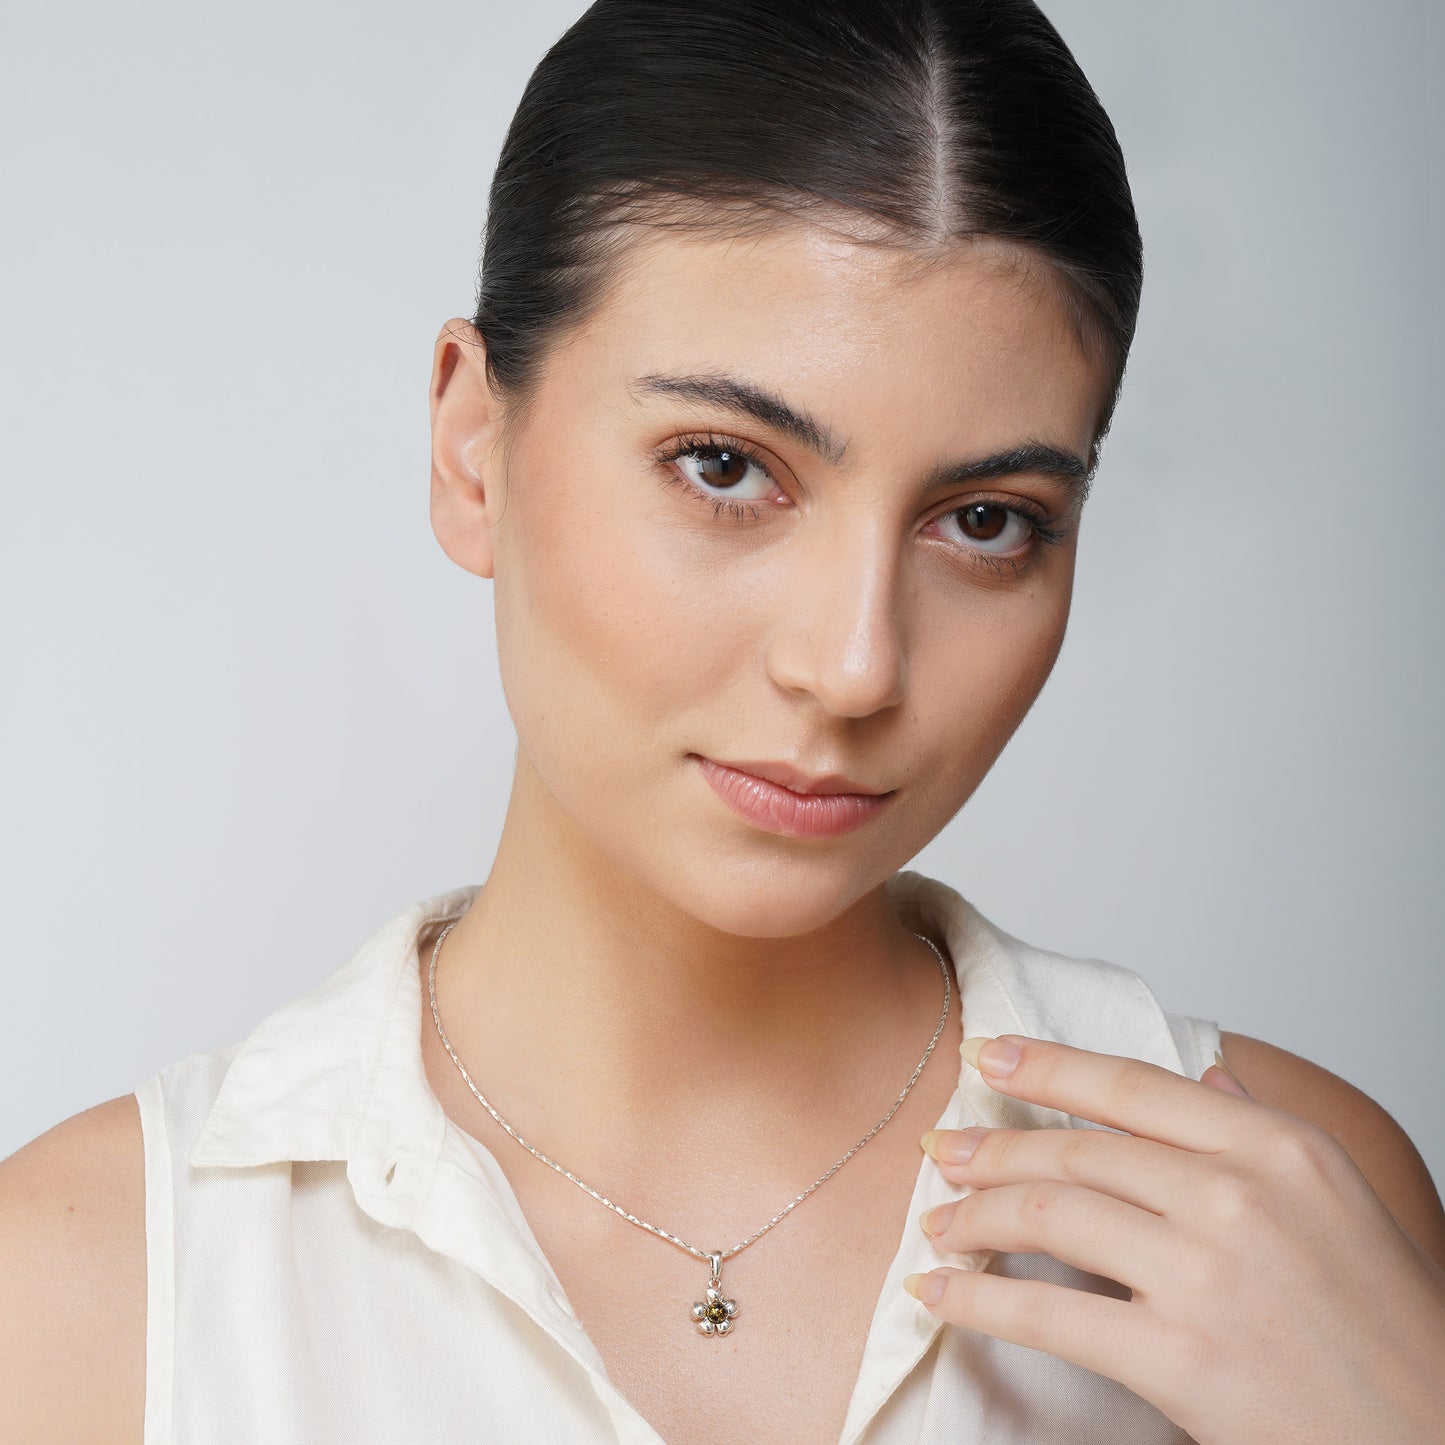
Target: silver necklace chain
{"type": "Point", "coordinates": [713, 1257]}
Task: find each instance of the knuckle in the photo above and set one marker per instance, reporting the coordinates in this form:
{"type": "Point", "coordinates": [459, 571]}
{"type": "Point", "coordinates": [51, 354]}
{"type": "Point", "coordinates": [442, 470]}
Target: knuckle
{"type": "Point", "coordinates": [1299, 1152]}
{"type": "Point", "coordinates": [1229, 1199]}
{"type": "Point", "coordinates": [1134, 1086]}
{"type": "Point", "coordinates": [1033, 1316]}
{"type": "Point", "coordinates": [1074, 1155]}
{"type": "Point", "coordinates": [1045, 1064]}
{"type": "Point", "coordinates": [998, 1150]}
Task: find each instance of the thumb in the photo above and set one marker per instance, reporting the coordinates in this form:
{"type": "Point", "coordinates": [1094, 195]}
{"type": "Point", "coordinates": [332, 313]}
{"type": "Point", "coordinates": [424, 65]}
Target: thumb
{"type": "Point", "coordinates": [1218, 1076]}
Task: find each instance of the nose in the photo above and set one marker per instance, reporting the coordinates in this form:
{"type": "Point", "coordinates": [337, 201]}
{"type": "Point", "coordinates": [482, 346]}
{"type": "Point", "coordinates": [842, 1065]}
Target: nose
{"type": "Point", "coordinates": [837, 632]}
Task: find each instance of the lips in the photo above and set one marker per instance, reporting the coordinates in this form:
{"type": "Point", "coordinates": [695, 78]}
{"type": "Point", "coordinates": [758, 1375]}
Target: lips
{"type": "Point", "coordinates": [796, 781]}
{"type": "Point", "coordinates": [831, 806]}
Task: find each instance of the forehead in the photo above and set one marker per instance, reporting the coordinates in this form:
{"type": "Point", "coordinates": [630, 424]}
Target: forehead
{"type": "Point", "coordinates": [973, 339]}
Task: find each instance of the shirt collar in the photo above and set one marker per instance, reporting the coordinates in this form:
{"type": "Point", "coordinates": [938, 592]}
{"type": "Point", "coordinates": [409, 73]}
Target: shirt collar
{"type": "Point", "coordinates": [306, 1081]}
{"type": "Point", "coordinates": [338, 1074]}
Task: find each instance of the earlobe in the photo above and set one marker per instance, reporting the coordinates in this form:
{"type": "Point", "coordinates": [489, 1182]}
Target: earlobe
{"type": "Point", "coordinates": [464, 427]}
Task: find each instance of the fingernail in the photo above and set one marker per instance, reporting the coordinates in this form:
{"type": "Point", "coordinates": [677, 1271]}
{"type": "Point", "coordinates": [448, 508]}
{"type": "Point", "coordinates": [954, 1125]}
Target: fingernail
{"type": "Point", "coordinates": [1219, 1059]}
{"type": "Point", "coordinates": [935, 1221]}
{"type": "Point", "coordinates": [952, 1146]}
{"type": "Point", "coordinates": [998, 1057]}
{"type": "Point", "coordinates": [925, 1287]}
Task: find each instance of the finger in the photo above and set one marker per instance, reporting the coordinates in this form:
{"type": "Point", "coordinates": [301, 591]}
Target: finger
{"type": "Point", "coordinates": [1100, 1333]}
{"type": "Point", "coordinates": [1220, 1076]}
{"type": "Point", "coordinates": [1216, 1078]}
{"type": "Point", "coordinates": [1143, 1099]}
{"type": "Point", "coordinates": [1093, 1232]}
{"type": "Point", "coordinates": [1140, 1172]}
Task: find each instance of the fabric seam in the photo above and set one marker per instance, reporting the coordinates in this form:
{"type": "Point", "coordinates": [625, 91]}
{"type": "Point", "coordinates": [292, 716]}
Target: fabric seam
{"type": "Point", "coordinates": [160, 1263]}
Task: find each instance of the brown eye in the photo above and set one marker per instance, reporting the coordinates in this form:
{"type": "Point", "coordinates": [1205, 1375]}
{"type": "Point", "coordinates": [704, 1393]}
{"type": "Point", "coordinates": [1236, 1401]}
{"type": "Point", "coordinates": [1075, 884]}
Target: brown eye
{"type": "Point", "coordinates": [989, 528]}
{"type": "Point", "coordinates": [983, 521]}
{"type": "Point", "coordinates": [719, 470]}
{"type": "Point", "coordinates": [722, 469]}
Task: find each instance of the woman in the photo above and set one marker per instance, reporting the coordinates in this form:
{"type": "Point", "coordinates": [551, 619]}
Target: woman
{"type": "Point", "coordinates": [799, 330]}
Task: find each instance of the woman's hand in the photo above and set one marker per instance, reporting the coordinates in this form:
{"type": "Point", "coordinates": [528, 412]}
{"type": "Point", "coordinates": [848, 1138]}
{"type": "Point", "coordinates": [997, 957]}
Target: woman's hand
{"type": "Point", "coordinates": [1274, 1297]}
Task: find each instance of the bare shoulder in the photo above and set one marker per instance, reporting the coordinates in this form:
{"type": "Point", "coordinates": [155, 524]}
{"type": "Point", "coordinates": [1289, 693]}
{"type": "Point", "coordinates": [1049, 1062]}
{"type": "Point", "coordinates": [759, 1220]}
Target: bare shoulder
{"type": "Point", "coordinates": [1381, 1149]}
{"type": "Point", "coordinates": [73, 1278]}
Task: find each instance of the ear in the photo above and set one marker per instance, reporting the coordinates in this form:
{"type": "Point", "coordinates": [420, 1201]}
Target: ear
{"type": "Point", "coordinates": [466, 479]}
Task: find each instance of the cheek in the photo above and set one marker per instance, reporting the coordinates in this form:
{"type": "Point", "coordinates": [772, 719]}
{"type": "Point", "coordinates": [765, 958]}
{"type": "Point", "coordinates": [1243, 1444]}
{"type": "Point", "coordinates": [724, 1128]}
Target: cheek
{"type": "Point", "coordinates": [980, 673]}
{"type": "Point", "coordinates": [605, 639]}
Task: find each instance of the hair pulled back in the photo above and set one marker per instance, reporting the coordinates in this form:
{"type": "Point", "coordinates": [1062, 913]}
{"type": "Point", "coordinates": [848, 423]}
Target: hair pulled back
{"type": "Point", "coordinates": [932, 122]}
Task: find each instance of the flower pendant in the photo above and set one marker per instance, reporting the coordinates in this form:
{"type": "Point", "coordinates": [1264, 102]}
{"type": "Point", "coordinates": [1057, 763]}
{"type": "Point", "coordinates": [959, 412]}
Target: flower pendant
{"type": "Point", "coordinates": [714, 1315]}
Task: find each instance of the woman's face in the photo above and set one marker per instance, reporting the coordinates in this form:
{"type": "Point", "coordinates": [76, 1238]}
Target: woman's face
{"type": "Point", "coordinates": [825, 589]}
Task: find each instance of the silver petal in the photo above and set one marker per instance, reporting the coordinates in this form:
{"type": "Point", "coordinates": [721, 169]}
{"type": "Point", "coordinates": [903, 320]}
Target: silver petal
{"type": "Point", "coordinates": [706, 1327]}
{"type": "Point", "coordinates": [724, 1326]}
{"type": "Point", "coordinates": [731, 1306]}
{"type": "Point", "coordinates": [698, 1311]}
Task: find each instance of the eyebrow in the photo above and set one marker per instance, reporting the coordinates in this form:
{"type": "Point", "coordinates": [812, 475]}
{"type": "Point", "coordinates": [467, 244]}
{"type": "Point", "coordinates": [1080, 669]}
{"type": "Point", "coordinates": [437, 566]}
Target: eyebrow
{"type": "Point", "coordinates": [1033, 458]}
{"type": "Point", "coordinates": [749, 400]}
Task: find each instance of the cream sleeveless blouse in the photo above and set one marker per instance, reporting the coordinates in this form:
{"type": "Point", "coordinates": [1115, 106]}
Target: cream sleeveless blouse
{"type": "Point", "coordinates": [331, 1261]}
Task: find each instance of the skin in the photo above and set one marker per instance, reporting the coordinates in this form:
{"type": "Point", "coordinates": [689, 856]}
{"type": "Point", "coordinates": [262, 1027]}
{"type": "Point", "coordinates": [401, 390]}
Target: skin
{"type": "Point", "coordinates": [847, 627]}
{"type": "Point", "coordinates": [642, 965]}
{"type": "Point", "coordinates": [1274, 1298]}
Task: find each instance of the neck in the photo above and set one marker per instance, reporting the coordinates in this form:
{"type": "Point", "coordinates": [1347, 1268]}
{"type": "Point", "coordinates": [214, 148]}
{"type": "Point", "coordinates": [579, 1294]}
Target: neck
{"type": "Point", "coordinates": [586, 1008]}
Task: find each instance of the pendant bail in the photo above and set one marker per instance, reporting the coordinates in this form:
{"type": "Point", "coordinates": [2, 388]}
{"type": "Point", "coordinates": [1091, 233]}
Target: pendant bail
{"type": "Point", "coordinates": [715, 1261]}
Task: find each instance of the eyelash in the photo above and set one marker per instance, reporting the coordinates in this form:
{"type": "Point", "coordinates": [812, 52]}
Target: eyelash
{"type": "Point", "coordinates": [709, 444]}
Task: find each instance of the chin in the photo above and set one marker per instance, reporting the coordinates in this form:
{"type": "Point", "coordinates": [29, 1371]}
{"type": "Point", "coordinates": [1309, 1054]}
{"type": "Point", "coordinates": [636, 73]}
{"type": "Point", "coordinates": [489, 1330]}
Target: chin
{"type": "Point", "coordinates": [772, 897]}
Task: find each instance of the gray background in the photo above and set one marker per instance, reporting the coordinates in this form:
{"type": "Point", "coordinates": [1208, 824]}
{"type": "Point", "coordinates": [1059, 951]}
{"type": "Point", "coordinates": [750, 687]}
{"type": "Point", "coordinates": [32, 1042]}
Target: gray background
{"type": "Point", "coordinates": [251, 711]}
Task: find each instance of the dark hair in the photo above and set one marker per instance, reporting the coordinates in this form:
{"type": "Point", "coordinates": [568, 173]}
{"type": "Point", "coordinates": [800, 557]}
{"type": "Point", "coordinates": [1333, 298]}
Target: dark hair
{"type": "Point", "coordinates": [929, 121]}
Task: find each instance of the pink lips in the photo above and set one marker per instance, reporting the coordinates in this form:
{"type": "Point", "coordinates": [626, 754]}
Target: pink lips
{"type": "Point", "coordinates": [823, 811]}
